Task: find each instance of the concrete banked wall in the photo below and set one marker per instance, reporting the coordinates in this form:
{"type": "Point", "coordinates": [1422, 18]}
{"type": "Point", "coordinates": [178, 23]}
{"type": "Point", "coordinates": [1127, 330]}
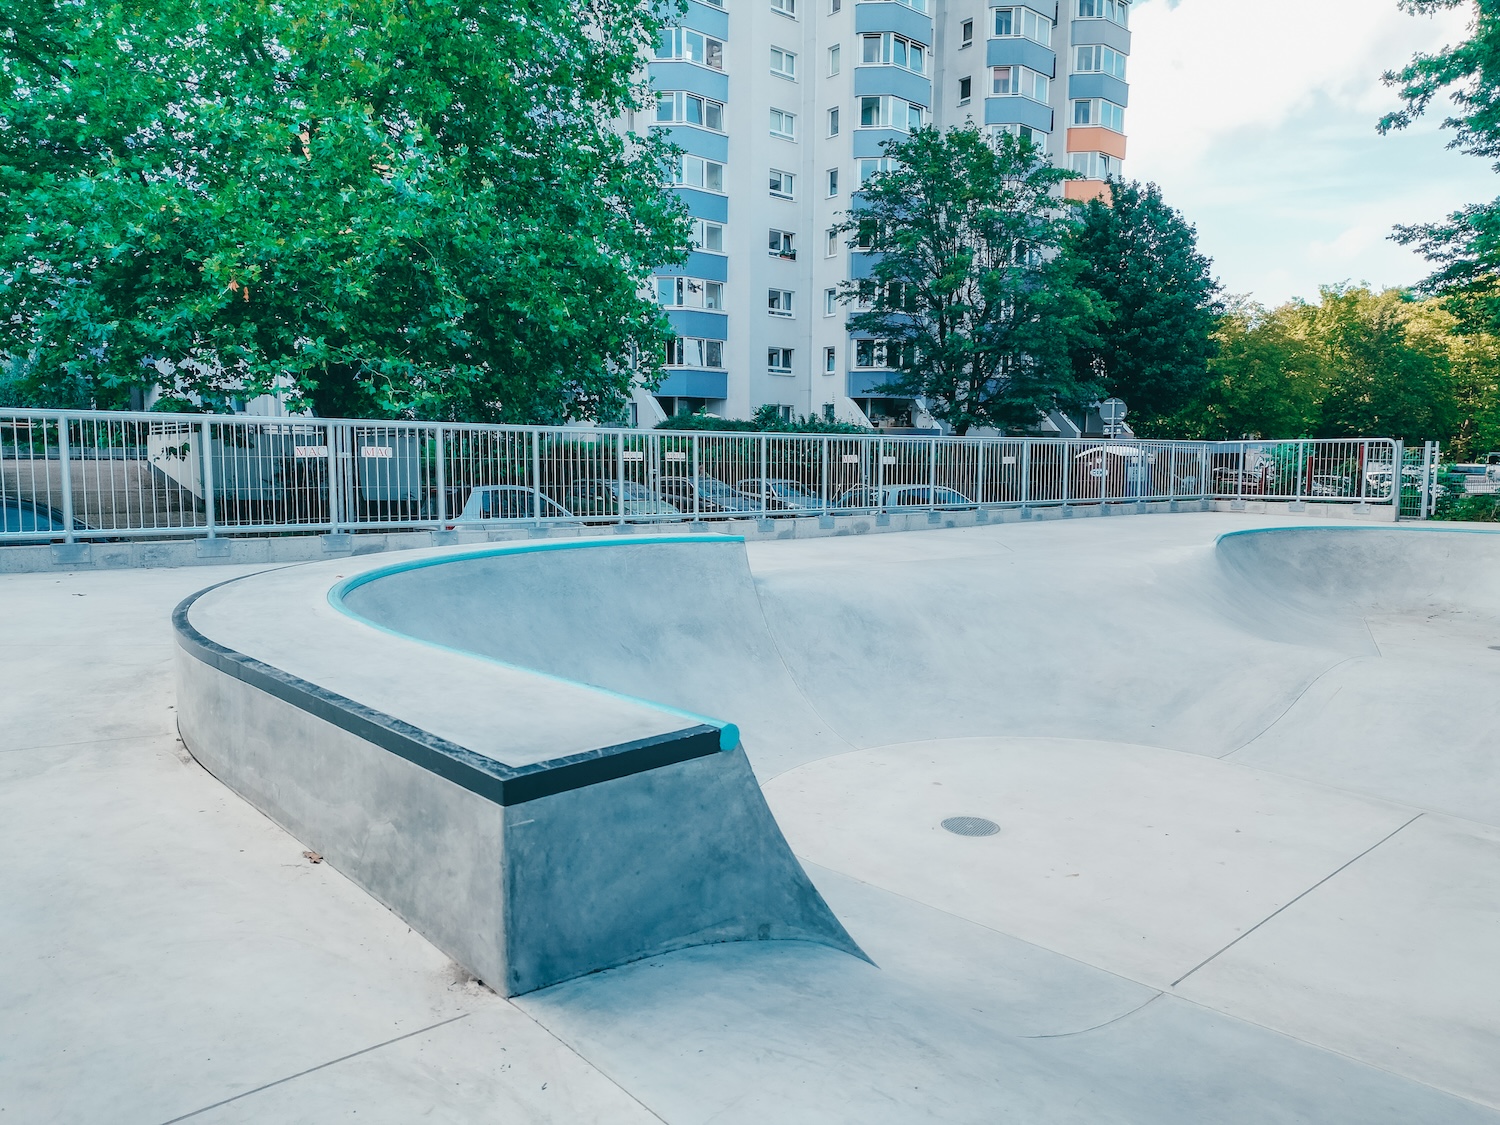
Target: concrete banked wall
{"type": "Point", "coordinates": [533, 827]}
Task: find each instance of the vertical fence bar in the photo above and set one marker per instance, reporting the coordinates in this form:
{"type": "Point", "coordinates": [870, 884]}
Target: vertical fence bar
{"type": "Point", "coordinates": [697, 478]}
{"type": "Point", "coordinates": [440, 471]}
{"type": "Point", "coordinates": [65, 469]}
{"type": "Point", "coordinates": [535, 470]}
{"type": "Point", "coordinates": [764, 486]}
{"type": "Point", "coordinates": [206, 475]}
{"type": "Point", "coordinates": [1025, 459]}
{"type": "Point", "coordinates": [335, 478]}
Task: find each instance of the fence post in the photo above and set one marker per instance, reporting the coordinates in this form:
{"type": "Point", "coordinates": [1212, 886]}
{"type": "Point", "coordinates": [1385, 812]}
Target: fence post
{"type": "Point", "coordinates": [979, 473]}
{"type": "Point", "coordinates": [1067, 472]}
{"type": "Point", "coordinates": [825, 474]}
{"type": "Point", "coordinates": [697, 476]}
{"type": "Point", "coordinates": [620, 474]}
{"type": "Point", "coordinates": [536, 475]}
{"type": "Point", "coordinates": [440, 472]}
{"type": "Point", "coordinates": [206, 475]}
{"type": "Point", "coordinates": [1025, 460]}
{"type": "Point", "coordinates": [65, 468]}
{"type": "Point", "coordinates": [763, 484]}
{"type": "Point", "coordinates": [335, 479]}
{"type": "Point", "coordinates": [932, 453]}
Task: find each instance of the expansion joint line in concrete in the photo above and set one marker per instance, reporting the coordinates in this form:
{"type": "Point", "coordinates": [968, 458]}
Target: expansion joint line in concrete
{"type": "Point", "coordinates": [1314, 682]}
{"type": "Point", "coordinates": [1296, 900]}
{"type": "Point", "coordinates": [320, 1066]}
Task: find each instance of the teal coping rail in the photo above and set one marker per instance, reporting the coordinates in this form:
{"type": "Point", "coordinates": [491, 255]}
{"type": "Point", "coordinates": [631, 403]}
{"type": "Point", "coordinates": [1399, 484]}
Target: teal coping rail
{"type": "Point", "coordinates": [1403, 528]}
{"type": "Point", "coordinates": [729, 733]}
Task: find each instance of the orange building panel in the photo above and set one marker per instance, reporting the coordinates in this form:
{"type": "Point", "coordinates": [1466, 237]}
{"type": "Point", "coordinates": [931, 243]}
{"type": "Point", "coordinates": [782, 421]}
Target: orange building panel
{"type": "Point", "coordinates": [1084, 190]}
{"type": "Point", "coordinates": [1094, 139]}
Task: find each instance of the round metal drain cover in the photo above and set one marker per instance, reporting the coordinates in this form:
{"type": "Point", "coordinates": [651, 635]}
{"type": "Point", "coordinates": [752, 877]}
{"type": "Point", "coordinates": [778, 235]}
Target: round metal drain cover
{"type": "Point", "coordinates": [971, 826]}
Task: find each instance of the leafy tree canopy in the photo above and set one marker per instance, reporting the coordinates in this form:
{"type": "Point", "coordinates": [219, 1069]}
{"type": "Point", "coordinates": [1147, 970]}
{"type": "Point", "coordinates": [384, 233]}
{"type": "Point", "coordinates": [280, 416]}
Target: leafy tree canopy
{"type": "Point", "coordinates": [767, 418]}
{"type": "Point", "coordinates": [976, 309]}
{"type": "Point", "coordinates": [388, 207]}
{"type": "Point", "coordinates": [1142, 257]}
{"type": "Point", "coordinates": [1465, 247]}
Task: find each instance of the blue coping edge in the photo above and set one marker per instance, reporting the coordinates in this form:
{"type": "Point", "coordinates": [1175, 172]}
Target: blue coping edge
{"type": "Point", "coordinates": [1405, 528]}
{"type": "Point", "coordinates": [729, 733]}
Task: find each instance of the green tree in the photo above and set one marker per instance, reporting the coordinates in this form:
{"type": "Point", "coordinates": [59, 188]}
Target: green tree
{"type": "Point", "coordinates": [969, 296]}
{"type": "Point", "coordinates": [1465, 247]}
{"type": "Point", "coordinates": [1142, 257]}
{"type": "Point", "coordinates": [386, 207]}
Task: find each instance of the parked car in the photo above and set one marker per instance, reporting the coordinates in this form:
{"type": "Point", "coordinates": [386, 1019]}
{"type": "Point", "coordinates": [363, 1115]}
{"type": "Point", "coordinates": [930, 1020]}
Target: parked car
{"type": "Point", "coordinates": [1329, 486]}
{"type": "Point", "coordinates": [508, 502]}
{"type": "Point", "coordinates": [616, 498]}
{"type": "Point", "coordinates": [903, 496]}
{"type": "Point", "coordinates": [37, 521]}
{"type": "Point", "coordinates": [713, 495]}
{"type": "Point", "coordinates": [1492, 467]}
{"type": "Point", "coordinates": [779, 494]}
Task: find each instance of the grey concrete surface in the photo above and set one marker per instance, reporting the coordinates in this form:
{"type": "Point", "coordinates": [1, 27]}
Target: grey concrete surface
{"type": "Point", "coordinates": [1116, 953]}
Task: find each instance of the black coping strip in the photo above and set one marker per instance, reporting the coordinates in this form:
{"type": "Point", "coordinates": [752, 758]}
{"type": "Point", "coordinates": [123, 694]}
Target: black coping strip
{"type": "Point", "coordinates": [495, 781]}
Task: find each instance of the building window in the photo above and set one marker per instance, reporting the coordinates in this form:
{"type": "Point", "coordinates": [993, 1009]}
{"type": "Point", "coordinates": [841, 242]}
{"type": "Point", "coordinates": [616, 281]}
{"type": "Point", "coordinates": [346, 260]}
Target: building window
{"type": "Point", "coordinates": [871, 166]}
{"type": "Point", "coordinates": [1098, 59]}
{"type": "Point", "coordinates": [699, 173]}
{"type": "Point", "coordinates": [1025, 23]}
{"type": "Point", "coordinates": [833, 60]}
{"type": "Point", "coordinates": [785, 7]}
{"type": "Point", "coordinates": [1097, 111]}
{"type": "Point", "coordinates": [833, 122]}
{"type": "Point", "coordinates": [783, 184]}
{"type": "Point", "coordinates": [783, 245]}
{"type": "Point", "coordinates": [835, 7]}
{"type": "Point", "coordinates": [884, 354]}
{"type": "Point", "coordinates": [831, 247]}
{"type": "Point", "coordinates": [895, 50]}
{"type": "Point", "coordinates": [1094, 165]}
{"type": "Point", "coordinates": [779, 361]}
{"type": "Point", "coordinates": [683, 44]}
{"type": "Point", "coordinates": [679, 107]}
{"type": "Point", "coordinates": [689, 293]}
{"type": "Point", "coordinates": [783, 63]}
{"type": "Point", "coordinates": [783, 125]}
{"type": "Point", "coordinates": [965, 90]}
{"type": "Point", "coordinates": [779, 302]}
{"type": "Point", "coordinates": [1025, 132]}
{"type": "Point", "coordinates": [833, 182]}
{"type": "Point", "coordinates": [830, 302]}
{"type": "Point", "coordinates": [686, 351]}
{"type": "Point", "coordinates": [1019, 80]}
{"type": "Point", "coordinates": [1117, 11]}
{"type": "Point", "coordinates": [968, 35]}
{"type": "Point", "coordinates": [885, 112]}
{"type": "Point", "coordinates": [708, 236]}
{"type": "Point", "coordinates": [830, 366]}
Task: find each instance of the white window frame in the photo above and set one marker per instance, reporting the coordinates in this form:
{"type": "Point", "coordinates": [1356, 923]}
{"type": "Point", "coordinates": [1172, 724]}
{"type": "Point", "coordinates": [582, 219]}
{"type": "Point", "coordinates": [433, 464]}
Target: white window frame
{"type": "Point", "coordinates": [1024, 83]}
{"type": "Point", "coordinates": [680, 41]}
{"type": "Point", "coordinates": [779, 361]}
{"type": "Point", "coordinates": [871, 165]}
{"type": "Point", "coordinates": [830, 302]}
{"type": "Point", "coordinates": [701, 229]}
{"type": "Point", "coordinates": [1094, 165]}
{"type": "Point", "coordinates": [963, 98]}
{"type": "Point", "coordinates": [780, 302]}
{"type": "Point", "coordinates": [782, 185]}
{"type": "Point", "coordinates": [833, 121]}
{"type": "Point", "coordinates": [695, 351]}
{"type": "Point", "coordinates": [711, 170]}
{"type": "Point", "coordinates": [784, 63]}
{"type": "Point", "coordinates": [886, 51]}
{"type": "Point", "coordinates": [831, 186]}
{"type": "Point", "coordinates": [783, 124]}
{"type": "Point", "coordinates": [966, 34]}
{"type": "Point", "coordinates": [1115, 11]}
{"type": "Point", "coordinates": [690, 293]}
{"type": "Point", "coordinates": [831, 244]}
{"type": "Point", "coordinates": [1097, 58]}
{"type": "Point", "coordinates": [830, 362]}
{"type": "Point", "coordinates": [678, 100]}
{"type": "Point", "coordinates": [1024, 24]}
{"type": "Point", "coordinates": [782, 244]}
{"type": "Point", "coordinates": [1100, 109]}
{"type": "Point", "coordinates": [892, 113]}
{"type": "Point", "coordinates": [834, 59]}
{"type": "Point", "coordinates": [786, 8]}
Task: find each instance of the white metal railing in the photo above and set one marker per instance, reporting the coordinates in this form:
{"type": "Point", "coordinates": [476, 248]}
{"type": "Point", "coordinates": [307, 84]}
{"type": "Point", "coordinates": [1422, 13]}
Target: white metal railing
{"type": "Point", "coordinates": [105, 475]}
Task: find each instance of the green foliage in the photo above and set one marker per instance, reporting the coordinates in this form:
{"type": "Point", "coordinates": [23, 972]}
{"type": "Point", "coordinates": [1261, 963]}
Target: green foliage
{"type": "Point", "coordinates": [766, 420]}
{"type": "Point", "coordinates": [1465, 248]}
{"type": "Point", "coordinates": [1142, 257]}
{"type": "Point", "coordinates": [1357, 363]}
{"type": "Point", "coordinates": [1454, 502]}
{"type": "Point", "coordinates": [390, 207]}
{"type": "Point", "coordinates": [968, 284]}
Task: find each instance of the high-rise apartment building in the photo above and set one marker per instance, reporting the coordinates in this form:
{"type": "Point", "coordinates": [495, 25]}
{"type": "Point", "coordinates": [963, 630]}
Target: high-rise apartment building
{"type": "Point", "coordinates": [781, 107]}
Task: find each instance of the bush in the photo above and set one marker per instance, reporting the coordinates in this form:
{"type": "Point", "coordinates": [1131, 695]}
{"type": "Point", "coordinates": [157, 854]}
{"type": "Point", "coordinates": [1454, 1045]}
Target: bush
{"type": "Point", "coordinates": [766, 420]}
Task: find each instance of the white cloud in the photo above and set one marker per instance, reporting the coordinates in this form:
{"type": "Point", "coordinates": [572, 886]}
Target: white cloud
{"type": "Point", "coordinates": [1258, 120]}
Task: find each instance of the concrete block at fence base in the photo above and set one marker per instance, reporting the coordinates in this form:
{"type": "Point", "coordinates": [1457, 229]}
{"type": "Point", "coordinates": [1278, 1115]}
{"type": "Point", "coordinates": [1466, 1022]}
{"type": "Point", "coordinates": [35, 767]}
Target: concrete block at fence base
{"type": "Point", "coordinates": [1296, 506]}
{"type": "Point", "coordinates": [71, 554]}
{"type": "Point", "coordinates": [825, 523]}
{"type": "Point", "coordinates": [342, 541]}
{"type": "Point", "coordinates": [212, 548]}
{"type": "Point", "coordinates": [444, 538]}
{"type": "Point", "coordinates": [883, 520]}
{"type": "Point", "coordinates": [766, 526]}
{"type": "Point", "coordinates": [1026, 513]}
{"type": "Point", "coordinates": [624, 529]}
{"type": "Point", "coordinates": [1236, 505]}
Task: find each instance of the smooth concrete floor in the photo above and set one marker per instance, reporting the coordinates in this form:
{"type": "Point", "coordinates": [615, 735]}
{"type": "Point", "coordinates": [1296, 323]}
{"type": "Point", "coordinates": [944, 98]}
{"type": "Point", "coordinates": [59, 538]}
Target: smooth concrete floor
{"type": "Point", "coordinates": [1227, 925]}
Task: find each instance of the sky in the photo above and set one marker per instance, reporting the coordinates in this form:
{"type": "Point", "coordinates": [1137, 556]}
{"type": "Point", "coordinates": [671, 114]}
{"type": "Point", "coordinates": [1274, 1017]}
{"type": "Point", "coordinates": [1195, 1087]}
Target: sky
{"type": "Point", "coordinates": [1258, 122]}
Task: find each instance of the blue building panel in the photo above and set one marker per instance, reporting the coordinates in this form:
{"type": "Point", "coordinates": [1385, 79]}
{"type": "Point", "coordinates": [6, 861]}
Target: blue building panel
{"type": "Point", "coordinates": [1047, 8]}
{"type": "Point", "coordinates": [1013, 110]}
{"type": "Point", "coordinates": [861, 264]}
{"type": "Point", "coordinates": [707, 19]}
{"type": "Point", "coordinates": [867, 142]}
{"type": "Point", "coordinates": [710, 267]}
{"type": "Point", "coordinates": [684, 382]}
{"type": "Point", "coordinates": [893, 17]}
{"type": "Point", "coordinates": [1107, 32]}
{"type": "Point", "coordinates": [699, 142]}
{"type": "Point", "coordinates": [892, 80]}
{"type": "Point", "coordinates": [690, 76]}
{"type": "Point", "coordinates": [695, 322]}
{"type": "Point", "coordinates": [1105, 86]}
{"type": "Point", "coordinates": [1015, 51]}
{"type": "Point", "coordinates": [704, 204]}
{"type": "Point", "coordinates": [862, 382]}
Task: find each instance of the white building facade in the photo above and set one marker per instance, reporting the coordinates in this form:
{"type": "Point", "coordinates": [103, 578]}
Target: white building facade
{"type": "Point", "coordinates": [781, 108]}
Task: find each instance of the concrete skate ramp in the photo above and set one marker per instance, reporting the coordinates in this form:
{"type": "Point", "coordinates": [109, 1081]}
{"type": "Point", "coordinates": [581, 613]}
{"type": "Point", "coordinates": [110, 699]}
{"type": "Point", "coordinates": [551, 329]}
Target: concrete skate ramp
{"type": "Point", "coordinates": [1198, 648]}
{"type": "Point", "coordinates": [533, 827]}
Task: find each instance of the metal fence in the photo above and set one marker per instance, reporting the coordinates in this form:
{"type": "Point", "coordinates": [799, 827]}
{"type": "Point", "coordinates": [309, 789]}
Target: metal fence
{"type": "Point", "coordinates": [107, 475]}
